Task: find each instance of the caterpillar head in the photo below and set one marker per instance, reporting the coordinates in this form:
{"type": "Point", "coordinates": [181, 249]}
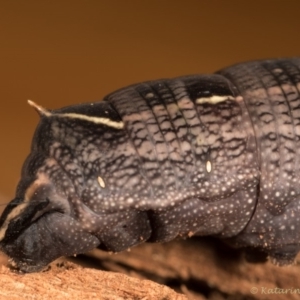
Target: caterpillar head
{"type": "Point", "coordinates": [40, 225]}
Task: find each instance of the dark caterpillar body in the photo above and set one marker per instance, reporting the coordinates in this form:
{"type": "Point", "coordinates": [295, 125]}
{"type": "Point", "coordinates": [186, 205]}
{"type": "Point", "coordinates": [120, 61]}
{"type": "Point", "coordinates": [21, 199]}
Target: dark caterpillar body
{"type": "Point", "coordinates": [196, 155]}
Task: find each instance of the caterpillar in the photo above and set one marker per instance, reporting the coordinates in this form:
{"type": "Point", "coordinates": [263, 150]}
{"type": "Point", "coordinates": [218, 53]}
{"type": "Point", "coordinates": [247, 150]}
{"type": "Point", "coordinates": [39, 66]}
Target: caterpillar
{"type": "Point", "coordinates": [199, 155]}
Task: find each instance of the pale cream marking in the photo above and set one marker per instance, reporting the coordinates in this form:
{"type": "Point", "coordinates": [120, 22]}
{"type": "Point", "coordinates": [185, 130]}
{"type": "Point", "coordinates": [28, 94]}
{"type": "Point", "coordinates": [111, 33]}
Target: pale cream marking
{"type": "Point", "coordinates": [14, 213]}
{"type": "Point", "coordinates": [42, 180]}
{"type": "Point", "coordinates": [214, 99]}
{"type": "Point", "coordinates": [208, 166]}
{"type": "Point", "coordinates": [101, 182]}
{"type": "Point", "coordinates": [96, 120]}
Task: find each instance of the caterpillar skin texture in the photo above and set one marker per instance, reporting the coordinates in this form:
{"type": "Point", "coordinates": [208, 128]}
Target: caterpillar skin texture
{"type": "Point", "coordinates": [196, 155]}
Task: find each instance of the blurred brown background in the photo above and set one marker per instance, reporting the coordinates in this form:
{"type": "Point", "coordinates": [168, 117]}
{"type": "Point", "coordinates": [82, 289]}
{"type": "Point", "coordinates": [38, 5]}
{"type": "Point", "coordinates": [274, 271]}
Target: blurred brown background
{"type": "Point", "coordinates": [63, 52]}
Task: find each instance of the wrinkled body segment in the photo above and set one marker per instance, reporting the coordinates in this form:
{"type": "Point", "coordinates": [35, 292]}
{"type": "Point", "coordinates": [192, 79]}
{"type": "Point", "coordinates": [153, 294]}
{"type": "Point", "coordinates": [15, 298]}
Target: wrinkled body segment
{"type": "Point", "coordinates": [196, 155]}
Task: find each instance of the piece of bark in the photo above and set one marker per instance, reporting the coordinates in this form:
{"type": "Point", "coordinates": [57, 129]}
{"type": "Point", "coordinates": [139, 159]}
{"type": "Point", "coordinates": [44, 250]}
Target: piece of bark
{"type": "Point", "coordinates": [70, 281]}
{"type": "Point", "coordinates": [201, 269]}
{"type": "Point", "coordinates": [204, 268]}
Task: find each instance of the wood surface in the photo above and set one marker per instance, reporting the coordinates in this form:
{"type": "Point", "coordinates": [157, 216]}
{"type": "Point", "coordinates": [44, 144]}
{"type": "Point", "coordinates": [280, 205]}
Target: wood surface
{"type": "Point", "coordinates": [193, 269]}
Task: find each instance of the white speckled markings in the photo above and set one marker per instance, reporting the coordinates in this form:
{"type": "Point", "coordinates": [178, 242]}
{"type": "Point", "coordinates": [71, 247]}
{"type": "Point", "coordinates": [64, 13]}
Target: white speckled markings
{"type": "Point", "coordinates": [195, 155]}
{"type": "Point", "coordinates": [190, 138]}
{"type": "Point", "coordinates": [272, 95]}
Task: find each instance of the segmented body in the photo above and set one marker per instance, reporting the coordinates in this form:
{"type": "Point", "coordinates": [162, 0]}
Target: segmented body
{"type": "Point", "coordinates": [195, 155]}
{"type": "Point", "coordinates": [271, 91]}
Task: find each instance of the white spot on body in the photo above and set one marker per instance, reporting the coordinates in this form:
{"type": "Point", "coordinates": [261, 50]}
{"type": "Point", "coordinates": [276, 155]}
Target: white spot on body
{"type": "Point", "coordinates": [208, 166]}
{"type": "Point", "coordinates": [129, 200]}
{"type": "Point", "coordinates": [101, 182]}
